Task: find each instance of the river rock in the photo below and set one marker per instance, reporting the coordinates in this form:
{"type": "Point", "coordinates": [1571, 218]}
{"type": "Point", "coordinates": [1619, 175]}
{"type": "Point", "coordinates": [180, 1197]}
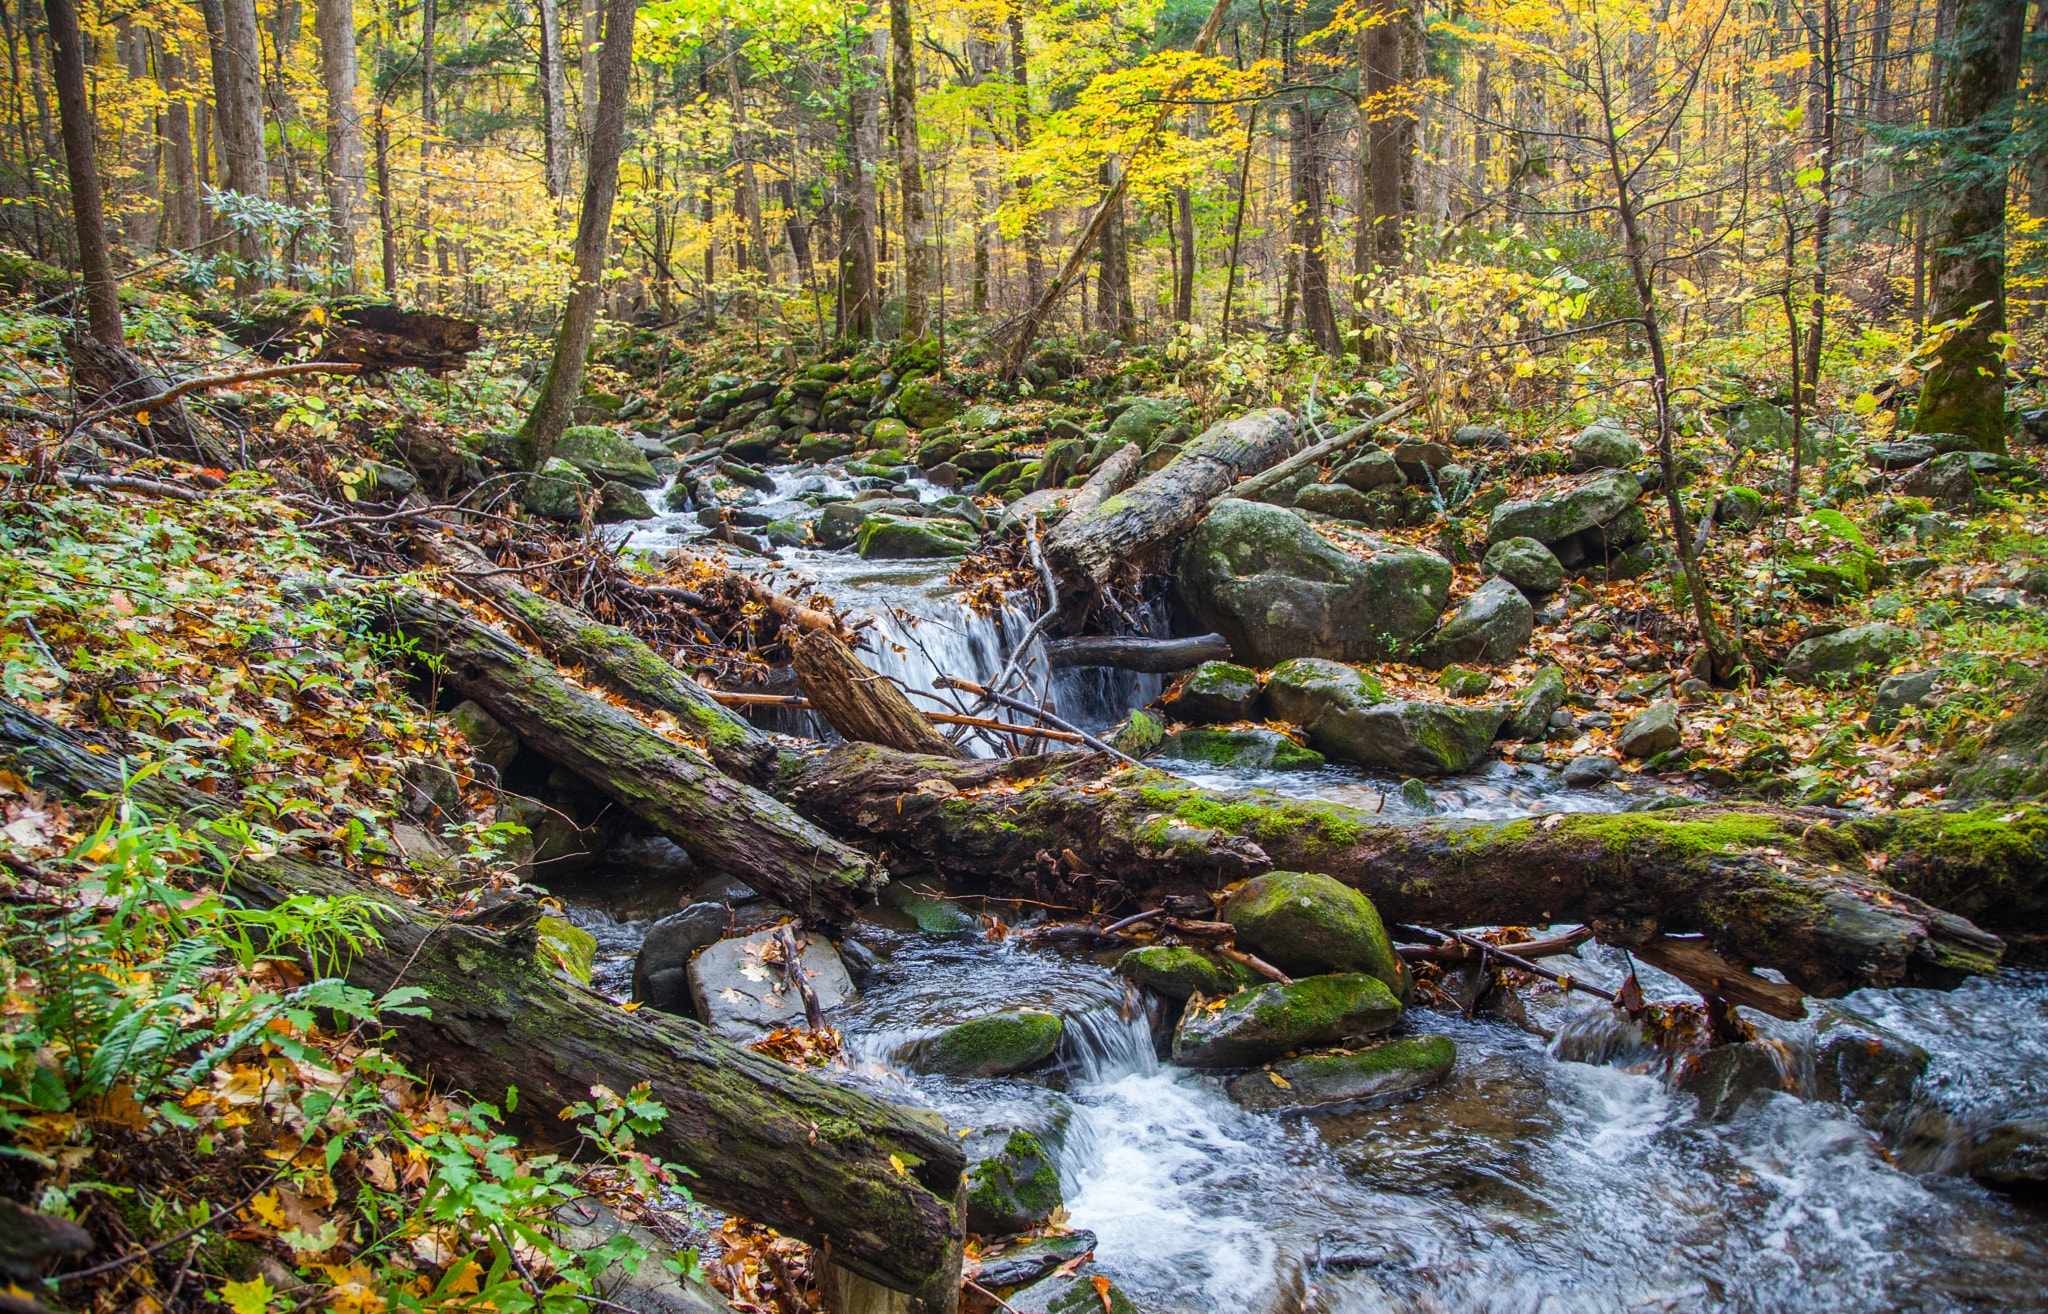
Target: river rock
{"type": "Point", "coordinates": [1535, 705]}
{"type": "Point", "coordinates": [923, 403]}
{"type": "Point", "coordinates": [1605, 445]}
{"type": "Point", "coordinates": [1375, 469]}
{"type": "Point", "coordinates": [617, 503]}
{"type": "Point", "coordinates": [1862, 1065]}
{"type": "Point", "coordinates": [1275, 589]}
{"type": "Point", "coordinates": [1463, 681]}
{"type": "Point", "coordinates": [1392, 1067]}
{"type": "Point", "coordinates": [1218, 692]}
{"type": "Point", "coordinates": [1263, 749]}
{"type": "Point", "coordinates": [1946, 480]}
{"type": "Point", "coordinates": [1590, 771]}
{"type": "Point", "coordinates": [1740, 507]}
{"type": "Point", "coordinates": [1652, 731]}
{"type": "Point", "coordinates": [556, 491]}
{"type": "Point", "coordinates": [661, 970]}
{"type": "Point", "coordinates": [1855, 653]}
{"type": "Point", "coordinates": [738, 993]}
{"type": "Point", "coordinates": [1557, 516]}
{"type": "Point", "coordinates": [1175, 971]}
{"type": "Point", "coordinates": [491, 742]}
{"type": "Point", "coordinates": [1261, 1024]}
{"type": "Point", "coordinates": [1420, 461]}
{"type": "Point", "coordinates": [1305, 924]}
{"type": "Point", "coordinates": [1012, 1181]}
{"type": "Point", "coordinates": [1526, 564]}
{"type": "Point", "coordinates": [1898, 456]}
{"type": "Point", "coordinates": [1491, 626]}
{"type": "Point", "coordinates": [893, 538]}
{"type": "Point", "coordinates": [1140, 422]}
{"type": "Point", "coordinates": [1030, 1258]}
{"type": "Point", "coordinates": [603, 454]}
{"type": "Point", "coordinates": [1726, 1077]}
{"type": "Point", "coordinates": [2010, 1155]}
{"type": "Point", "coordinates": [1339, 502]}
{"type": "Point", "coordinates": [1071, 1293]}
{"type": "Point", "coordinates": [932, 914]}
{"type": "Point", "coordinates": [992, 1046]}
{"type": "Point", "coordinates": [1486, 437]}
{"type": "Point", "coordinates": [1348, 714]}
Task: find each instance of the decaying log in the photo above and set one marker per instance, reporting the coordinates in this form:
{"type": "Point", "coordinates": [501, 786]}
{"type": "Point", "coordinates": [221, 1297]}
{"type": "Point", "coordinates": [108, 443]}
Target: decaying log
{"type": "Point", "coordinates": [1118, 471]}
{"type": "Point", "coordinates": [1251, 490]}
{"type": "Point", "coordinates": [1152, 656]}
{"type": "Point", "coordinates": [377, 335]}
{"type": "Point", "coordinates": [1695, 963]}
{"type": "Point", "coordinates": [612, 659]}
{"type": "Point", "coordinates": [1134, 529]}
{"type": "Point", "coordinates": [826, 1164]}
{"type": "Point", "coordinates": [720, 821]}
{"type": "Point", "coordinates": [1768, 887]}
{"type": "Point", "coordinates": [1458, 951]}
{"type": "Point", "coordinates": [861, 705]}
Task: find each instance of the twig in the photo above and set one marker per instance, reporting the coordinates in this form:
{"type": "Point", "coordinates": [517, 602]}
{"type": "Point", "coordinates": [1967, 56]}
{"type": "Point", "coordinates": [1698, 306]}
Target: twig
{"type": "Point", "coordinates": [1458, 953]}
{"type": "Point", "coordinates": [1259, 965]}
{"type": "Point", "coordinates": [970, 1282]}
{"type": "Point", "coordinates": [1133, 920]}
{"type": "Point", "coordinates": [172, 394]}
{"type": "Point", "coordinates": [793, 973]}
{"type": "Point", "coordinates": [1565, 982]}
{"type": "Point", "coordinates": [1017, 705]}
{"type": "Point", "coordinates": [131, 484]}
{"type": "Point", "coordinates": [225, 1211]}
{"type": "Point", "coordinates": [1251, 489]}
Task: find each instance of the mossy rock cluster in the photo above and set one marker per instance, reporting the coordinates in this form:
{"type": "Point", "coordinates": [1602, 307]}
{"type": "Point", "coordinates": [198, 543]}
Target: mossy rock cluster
{"type": "Point", "coordinates": [1176, 971]}
{"type": "Point", "coordinates": [1013, 1184]}
{"type": "Point", "coordinates": [1261, 1024]}
{"type": "Point", "coordinates": [993, 1046]}
{"type": "Point", "coordinates": [1217, 692]}
{"type": "Point", "coordinates": [1390, 1068]}
{"type": "Point", "coordinates": [1249, 749]}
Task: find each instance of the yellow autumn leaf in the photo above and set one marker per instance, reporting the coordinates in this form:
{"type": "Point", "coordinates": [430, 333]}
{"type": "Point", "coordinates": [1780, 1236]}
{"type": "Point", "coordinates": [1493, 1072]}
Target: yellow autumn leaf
{"type": "Point", "coordinates": [896, 1162]}
{"type": "Point", "coordinates": [251, 1297]}
{"type": "Point", "coordinates": [1280, 1081]}
{"type": "Point", "coordinates": [269, 1208]}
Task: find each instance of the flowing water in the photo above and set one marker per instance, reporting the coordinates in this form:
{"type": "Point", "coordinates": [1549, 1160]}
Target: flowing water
{"type": "Point", "coordinates": [1525, 1181]}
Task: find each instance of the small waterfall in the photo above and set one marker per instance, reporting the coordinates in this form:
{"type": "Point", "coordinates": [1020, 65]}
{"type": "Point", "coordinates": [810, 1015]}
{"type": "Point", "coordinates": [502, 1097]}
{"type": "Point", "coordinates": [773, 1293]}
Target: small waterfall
{"type": "Point", "coordinates": [1103, 1045]}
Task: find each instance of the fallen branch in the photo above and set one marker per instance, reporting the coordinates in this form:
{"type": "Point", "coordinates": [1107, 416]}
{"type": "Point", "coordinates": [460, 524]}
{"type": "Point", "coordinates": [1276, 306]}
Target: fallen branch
{"type": "Point", "coordinates": [131, 484]}
{"type": "Point", "coordinates": [1017, 705]}
{"type": "Point", "coordinates": [1253, 961]}
{"type": "Point", "coordinates": [1459, 952]}
{"type": "Point", "coordinates": [1565, 981]}
{"type": "Point", "coordinates": [1150, 656]}
{"type": "Point", "coordinates": [1260, 484]}
{"type": "Point", "coordinates": [171, 394]}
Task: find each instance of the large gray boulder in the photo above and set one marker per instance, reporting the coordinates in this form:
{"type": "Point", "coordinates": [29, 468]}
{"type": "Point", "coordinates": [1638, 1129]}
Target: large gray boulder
{"type": "Point", "coordinates": [1947, 480]}
{"type": "Point", "coordinates": [556, 491]}
{"type": "Point", "coordinates": [1218, 692]}
{"type": "Point", "coordinates": [1605, 445]}
{"type": "Point", "coordinates": [661, 970]}
{"type": "Point", "coordinates": [1392, 1067]}
{"type": "Point", "coordinates": [1652, 731]}
{"type": "Point", "coordinates": [1557, 516]}
{"type": "Point", "coordinates": [1526, 564]}
{"type": "Point", "coordinates": [1859, 652]}
{"type": "Point", "coordinates": [603, 454]}
{"type": "Point", "coordinates": [739, 993]}
{"type": "Point", "coordinates": [1350, 715]}
{"type": "Point", "coordinates": [1535, 704]}
{"type": "Point", "coordinates": [1375, 469]}
{"type": "Point", "coordinates": [1862, 1065]}
{"type": "Point", "coordinates": [1266, 581]}
{"type": "Point", "coordinates": [1491, 626]}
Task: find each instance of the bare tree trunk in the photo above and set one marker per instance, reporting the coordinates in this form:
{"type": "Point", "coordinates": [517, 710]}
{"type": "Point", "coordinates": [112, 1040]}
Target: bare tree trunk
{"type": "Point", "coordinates": [386, 232]}
{"type": "Point", "coordinates": [743, 151]}
{"type": "Point", "coordinates": [564, 382]}
{"type": "Point", "coordinates": [430, 21]}
{"type": "Point", "coordinates": [1184, 284]}
{"type": "Point", "coordinates": [1305, 165]}
{"type": "Point", "coordinates": [859, 293]}
{"type": "Point", "coordinates": [1115, 312]}
{"type": "Point", "coordinates": [1379, 59]}
{"type": "Point", "coordinates": [336, 23]}
{"type": "Point", "coordinates": [248, 159]}
{"type": "Point", "coordinates": [181, 190]}
{"type": "Point", "coordinates": [74, 114]}
{"type": "Point", "coordinates": [586, 73]}
{"type": "Point", "coordinates": [1020, 84]}
{"type": "Point", "coordinates": [554, 100]}
{"type": "Point", "coordinates": [917, 255]}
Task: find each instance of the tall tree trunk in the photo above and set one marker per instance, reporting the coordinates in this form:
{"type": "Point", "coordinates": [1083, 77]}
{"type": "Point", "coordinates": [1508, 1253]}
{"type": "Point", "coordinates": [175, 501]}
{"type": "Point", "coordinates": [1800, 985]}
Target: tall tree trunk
{"type": "Point", "coordinates": [1020, 84]}
{"type": "Point", "coordinates": [859, 292]}
{"type": "Point", "coordinates": [553, 101]}
{"type": "Point", "coordinates": [74, 114]}
{"type": "Point", "coordinates": [1964, 392]}
{"type": "Point", "coordinates": [430, 21]}
{"type": "Point", "coordinates": [917, 256]}
{"type": "Point", "coordinates": [1379, 57]}
{"type": "Point", "coordinates": [248, 158]}
{"type": "Point", "coordinates": [707, 214]}
{"type": "Point", "coordinates": [1184, 236]}
{"type": "Point", "coordinates": [387, 233]}
{"type": "Point", "coordinates": [181, 189]}
{"type": "Point", "coordinates": [221, 64]}
{"type": "Point", "coordinates": [743, 151]}
{"type": "Point", "coordinates": [335, 21]}
{"type": "Point", "coordinates": [1305, 167]}
{"type": "Point", "coordinates": [586, 72]}
{"type": "Point", "coordinates": [564, 382]}
{"type": "Point", "coordinates": [1115, 311]}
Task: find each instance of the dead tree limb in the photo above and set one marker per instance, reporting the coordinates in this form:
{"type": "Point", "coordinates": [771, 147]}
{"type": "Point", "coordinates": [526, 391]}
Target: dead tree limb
{"type": "Point", "coordinates": [860, 704]}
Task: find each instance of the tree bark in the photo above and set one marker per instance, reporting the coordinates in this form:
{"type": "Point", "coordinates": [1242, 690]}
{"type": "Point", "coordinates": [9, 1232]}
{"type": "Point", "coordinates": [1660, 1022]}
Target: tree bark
{"type": "Point", "coordinates": [743, 151]}
{"type": "Point", "coordinates": [917, 255]}
{"type": "Point", "coordinates": [1964, 391]}
{"type": "Point", "coordinates": [1768, 887]}
{"type": "Point", "coordinates": [826, 1164]}
{"type": "Point", "coordinates": [1305, 167]}
{"type": "Point", "coordinates": [1020, 88]}
{"type": "Point", "coordinates": [1152, 656]}
{"type": "Point", "coordinates": [1115, 310]}
{"type": "Point", "coordinates": [387, 234]}
{"type": "Point", "coordinates": [554, 98]}
{"type": "Point", "coordinates": [1127, 534]}
{"type": "Point", "coordinates": [249, 160]}
{"type": "Point", "coordinates": [1379, 59]}
{"type": "Point", "coordinates": [859, 261]}
{"type": "Point", "coordinates": [221, 64]}
{"type": "Point", "coordinates": [564, 382]}
{"type": "Point", "coordinates": [181, 190]}
{"type": "Point", "coordinates": [430, 20]}
{"type": "Point", "coordinates": [862, 706]}
{"type": "Point", "coordinates": [74, 114]}
{"type": "Point", "coordinates": [1118, 471]}
{"type": "Point", "coordinates": [335, 21]}
{"type": "Point", "coordinates": [1184, 238]}
{"type": "Point", "coordinates": [721, 822]}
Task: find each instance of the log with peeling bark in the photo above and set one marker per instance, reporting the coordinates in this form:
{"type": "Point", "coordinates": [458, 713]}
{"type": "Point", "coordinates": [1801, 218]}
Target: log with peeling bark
{"type": "Point", "coordinates": [610, 658]}
{"type": "Point", "coordinates": [820, 1162]}
{"type": "Point", "coordinates": [1151, 656]}
{"type": "Point", "coordinates": [1136, 530]}
{"type": "Point", "coordinates": [1118, 471]}
{"type": "Point", "coordinates": [722, 822]}
{"type": "Point", "coordinates": [860, 704]}
{"type": "Point", "coordinates": [1768, 887]}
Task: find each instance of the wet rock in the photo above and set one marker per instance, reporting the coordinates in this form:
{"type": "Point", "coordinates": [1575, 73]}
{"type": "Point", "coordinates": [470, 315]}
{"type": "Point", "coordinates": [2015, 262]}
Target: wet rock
{"type": "Point", "coordinates": [491, 743]}
{"type": "Point", "coordinates": [839, 524]}
{"type": "Point", "coordinates": [1416, 795]}
{"type": "Point", "coordinates": [1491, 626]}
{"type": "Point", "coordinates": [1217, 692]}
{"type": "Point", "coordinates": [992, 1046]}
{"type": "Point", "coordinates": [1862, 1065]}
{"type": "Point", "coordinates": [1012, 1181]}
{"type": "Point", "coordinates": [1855, 653]}
{"type": "Point", "coordinates": [1899, 455]}
{"type": "Point", "coordinates": [1071, 1293]}
{"type": "Point", "coordinates": [1137, 735]}
{"type": "Point", "coordinates": [2010, 1155]}
{"type": "Point", "coordinates": [1946, 480]}
{"type": "Point", "coordinates": [1393, 1067]}
{"type": "Point", "coordinates": [1305, 923]}
{"type": "Point", "coordinates": [1486, 437]}
{"type": "Point", "coordinates": [1420, 461]}
{"type": "Point", "coordinates": [1554, 517]}
{"type": "Point", "coordinates": [1261, 1024]}
{"type": "Point", "coordinates": [1590, 771]}
{"type": "Point", "coordinates": [1526, 564]}
{"type": "Point", "coordinates": [887, 537]}
{"type": "Point", "coordinates": [1175, 971]}
{"type": "Point", "coordinates": [661, 970]}
{"type": "Point", "coordinates": [1535, 705]}
{"type": "Point", "coordinates": [1266, 581]}
{"type": "Point", "coordinates": [819, 448]}
{"type": "Point", "coordinates": [1651, 731]}
{"type": "Point", "coordinates": [1375, 469]}
{"type": "Point", "coordinates": [931, 914]}
{"type": "Point", "coordinates": [617, 504]}
{"type": "Point", "coordinates": [739, 994]}
{"type": "Point", "coordinates": [556, 491]}
{"type": "Point", "coordinates": [604, 454]}
{"type": "Point", "coordinates": [570, 947]}
{"type": "Point", "coordinates": [728, 890]}
{"type": "Point", "coordinates": [1727, 1077]}
{"type": "Point", "coordinates": [1605, 445]}
{"type": "Point", "coordinates": [1027, 1260]}
{"type": "Point", "coordinates": [1268, 749]}
{"type": "Point", "coordinates": [1463, 681]}
{"type": "Point", "coordinates": [1348, 714]}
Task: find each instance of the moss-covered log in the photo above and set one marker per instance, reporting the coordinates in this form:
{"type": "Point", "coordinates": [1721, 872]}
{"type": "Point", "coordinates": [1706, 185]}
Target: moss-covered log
{"type": "Point", "coordinates": [378, 335]}
{"type": "Point", "coordinates": [1769, 887]}
{"type": "Point", "coordinates": [612, 659]}
{"type": "Point", "coordinates": [779, 1146]}
{"type": "Point", "coordinates": [667, 781]}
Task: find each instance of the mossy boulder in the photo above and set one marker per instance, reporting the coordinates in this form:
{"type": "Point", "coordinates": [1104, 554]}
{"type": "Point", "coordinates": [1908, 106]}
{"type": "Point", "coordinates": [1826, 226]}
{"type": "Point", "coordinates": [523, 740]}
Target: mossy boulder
{"type": "Point", "coordinates": [556, 491]}
{"type": "Point", "coordinates": [1138, 735]}
{"type": "Point", "coordinates": [1216, 692]}
{"type": "Point", "coordinates": [1535, 704]}
{"type": "Point", "coordinates": [1859, 652]}
{"type": "Point", "coordinates": [1012, 1182]}
{"type": "Point", "coordinates": [982, 417]}
{"type": "Point", "coordinates": [1339, 502]}
{"type": "Point", "coordinates": [1376, 469]}
{"type": "Point", "coordinates": [933, 915]}
{"type": "Point", "coordinates": [1526, 564]}
{"type": "Point", "coordinates": [838, 525]}
{"type": "Point", "coordinates": [1176, 971]}
{"type": "Point", "coordinates": [617, 504]}
{"type": "Point", "coordinates": [1266, 581]}
{"type": "Point", "coordinates": [1141, 422]}
{"type": "Point", "coordinates": [1072, 1293]}
{"type": "Point", "coordinates": [1261, 1024]}
{"type": "Point", "coordinates": [1492, 626]}
{"type": "Point", "coordinates": [1948, 480]}
{"type": "Point", "coordinates": [1305, 923]}
{"type": "Point", "coordinates": [1845, 576]}
{"type": "Point", "coordinates": [1759, 424]}
{"type": "Point", "coordinates": [1557, 516]}
{"type": "Point", "coordinates": [1740, 507]}
{"type": "Point", "coordinates": [492, 743]}
{"type": "Point", "coordinates": [1268, 749]}
{"type": "Point", "coordinates": [992, 1046]}
{"type": "Point", "coordinates": [1605, 445]}
{"type": "Point", "coordinates": [1350, 715]}
{"type": "Point", "coordinates": [887, 537]}
{"type": "Point", "coordinates": [885, 435]}
{"type": "Point", "coordinates": [605, 454]}
{"type": "Point", "coordinates": [1463, 681]}
{"type": "Point", "coordinates": [925, 402]}
{"type": "Point", "coordinates": [1650, 732]}
{"type": "Point", "coordinates": [1392, 1067]}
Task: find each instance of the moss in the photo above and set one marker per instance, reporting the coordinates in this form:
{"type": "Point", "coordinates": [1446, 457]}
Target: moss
{"type": "Point", "coordinates": [1177, 971]}
{"type": "Point", "coordinates": [1316, 826]}
{"type": "Point", "coordinates": [572, 947]}
{"type": "Point", "coordinates": [1257, 1025]}
{"type": "Point", "coordinates": [1014, 1188]}
{"type": "Point", "coordinates": [993, 1046]}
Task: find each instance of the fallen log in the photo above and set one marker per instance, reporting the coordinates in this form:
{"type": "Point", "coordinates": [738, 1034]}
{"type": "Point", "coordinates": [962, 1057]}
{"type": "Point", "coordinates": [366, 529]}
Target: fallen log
{"type": "Point", "coordinates": [1695, 963]}
{"type": "Point", "coordinates": [378, 335]}
{"type": "Point", "coordinates": [860, 704]}
{"type": "Point", "coordinates": [1768, 887]}
{"type": "Point", "coordinates": [1459, 951]}
{"type": "Point", "coordinates": [720, 821]}
{"type": "Point", "coordinates": [1251, 490]}
{"type": "Point", "coordinates": [1128, 534]}
{"type": "Point", "coordinates": [611, 658]}
{"type": "Point", "coordinates": [1151, 656]}
{"type": "Point", "coordinates": [829, 1165]}
{"type": "Point", "coordinates": [1118, 471]}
